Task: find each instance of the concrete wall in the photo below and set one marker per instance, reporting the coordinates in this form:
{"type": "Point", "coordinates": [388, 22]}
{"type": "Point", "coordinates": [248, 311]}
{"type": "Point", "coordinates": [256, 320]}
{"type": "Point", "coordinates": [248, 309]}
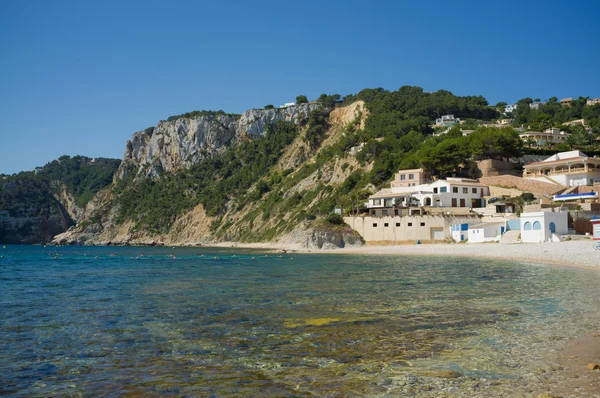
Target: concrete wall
{"type": "Point", "coordinates": [403, 229]}
{"type": "Point", "coordinates": [486, 233]}
{"type": "Point", "coordinates": [560, 219]}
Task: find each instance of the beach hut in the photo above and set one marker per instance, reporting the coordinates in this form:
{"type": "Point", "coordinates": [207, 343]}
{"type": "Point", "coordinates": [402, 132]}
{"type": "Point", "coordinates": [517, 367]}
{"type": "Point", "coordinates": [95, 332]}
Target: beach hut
{"type": "Point", "coordinates": [595, 228]}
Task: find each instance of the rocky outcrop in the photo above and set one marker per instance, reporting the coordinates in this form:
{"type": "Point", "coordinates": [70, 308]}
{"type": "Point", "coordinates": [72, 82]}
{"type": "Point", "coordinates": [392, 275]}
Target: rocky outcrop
{"type": "Point", "coordinates": [321, 236]}
{"type": "Point", "coordinates": [66, 199]}
{"type": "Point", "coordinates": [178, 144]}
{"type": "Point", "coordinates": [30, 214]}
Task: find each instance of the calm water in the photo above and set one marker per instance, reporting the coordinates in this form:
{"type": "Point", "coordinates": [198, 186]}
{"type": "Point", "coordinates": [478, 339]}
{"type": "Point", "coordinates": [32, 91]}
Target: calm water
{"type": "Point", "coordinates": [296, 325]}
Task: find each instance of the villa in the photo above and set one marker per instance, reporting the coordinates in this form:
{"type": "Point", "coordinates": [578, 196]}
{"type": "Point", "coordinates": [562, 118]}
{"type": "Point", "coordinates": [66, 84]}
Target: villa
{"type": "Point", "coordinates": [415, 188]}
{"type": "Point", "coordinates": [592, 101]}
{"type": "Point", "coordinates": [446, 121]}
{"type": "Point", "coordinates": [548, 137]}
{"type": "Point", "coordinates": [573, 168]}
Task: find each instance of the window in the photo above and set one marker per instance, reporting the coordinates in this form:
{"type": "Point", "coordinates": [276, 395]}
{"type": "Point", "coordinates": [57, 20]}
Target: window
{"type": "Point", "coordinates": [373, 213]}
{"type": "Point", "coordinates": [443, 189]}
{"type": "Point", "coordinates": [411, 176]}
{"type": "Point", "coordinates": [435, 190]}
{"type": "Point", "coordinates": [395, 212]}
{"type": "Point", "coordinates": [410, 224]}
{"type": "Point", "coordinates": [386, 224]}
{"type": "Point", "coordinates": [374, 225]}
{"type": "Point", "coordinates": [455, 189]}
{"type": "Point", "coordinates": [465, 190]}
{"type": "Point", "coordinates": [422, 224]}
{"type": "Point", "coordinates": [384, 212]}
{"type": "Point", "coordinates": [474, 190]}
{"type": "Point", "coordinates": [376, 202]}
{"type": "Point", "coordinates": [537, 226]}
{"type": "Point", "coordinates": [397, 224]}
{"type": "Point", "coordinates": [403, 177]}
{"type": "Point", "coordinates": [527, 226]}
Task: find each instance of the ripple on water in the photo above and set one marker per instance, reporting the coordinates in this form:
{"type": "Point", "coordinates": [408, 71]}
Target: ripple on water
{"type": "Point", "coordinates": [320, 325]}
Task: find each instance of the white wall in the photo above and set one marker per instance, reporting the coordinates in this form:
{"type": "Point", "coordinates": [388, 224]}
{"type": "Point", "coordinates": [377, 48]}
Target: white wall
{"type": "Point", "coordinates": [486, 233]}
{"type": "Point", "coordinates": [370, 232]}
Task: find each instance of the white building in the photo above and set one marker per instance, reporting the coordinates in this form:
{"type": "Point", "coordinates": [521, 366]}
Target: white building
{"type": "Point", "coordinates": [573, 168]}
{"type": "Point", "coordinates": [510, 108]}
{"type": "Point", "coordinates": [536, 104]}
{"type": "Point", "coordinates": [451, 192]}
{"type": "Point", "coordinates": [486, 232]}
{"type": "Point", "coordinates": [540, 226]}
{"type": "Point", "coordinates": [446, 121]}
{"type": "Point", "coordinates": [459, 232]}
{"type": "Point", "coordinates": [592, 101]}
{"type": "Point", "coordinates": [288, 104]}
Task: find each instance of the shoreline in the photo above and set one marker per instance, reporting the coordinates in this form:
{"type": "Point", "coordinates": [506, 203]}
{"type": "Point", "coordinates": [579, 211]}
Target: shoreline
{"type": "Point", "coordinates": [574, 254]}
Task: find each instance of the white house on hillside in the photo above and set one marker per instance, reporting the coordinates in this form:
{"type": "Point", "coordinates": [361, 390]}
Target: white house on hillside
{"type": "Point", "coordinates": [446, 121]}
{"type": "Point", "coordinates": [573, 168]}
{"type": "Point", "coordinates": [451, 192]}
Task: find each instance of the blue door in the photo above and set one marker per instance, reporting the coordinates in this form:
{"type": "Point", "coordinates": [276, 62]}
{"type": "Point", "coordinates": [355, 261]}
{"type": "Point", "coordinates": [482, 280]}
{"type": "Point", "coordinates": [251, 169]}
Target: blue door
{"type": "Point", "coordinates": [501, 230]}
{"type": "Point", "coordinates": [552, 228]}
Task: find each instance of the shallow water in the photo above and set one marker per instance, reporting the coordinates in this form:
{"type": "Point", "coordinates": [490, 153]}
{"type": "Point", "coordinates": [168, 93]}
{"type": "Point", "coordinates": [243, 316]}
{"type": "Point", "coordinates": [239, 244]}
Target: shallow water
{"type": "Point", "coordinates": [211, 322]}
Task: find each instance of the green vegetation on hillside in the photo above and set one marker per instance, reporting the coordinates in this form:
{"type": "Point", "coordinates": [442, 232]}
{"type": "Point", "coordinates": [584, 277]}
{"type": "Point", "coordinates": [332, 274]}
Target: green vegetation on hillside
{"type": "Point", "coordinates": [155, 204]}
{"type": "Point", "coordinates": [28, 194]}
{"type": "Point", "coordinates": [203, 113]}
{"type": "Point", "coordinates": [553, 114]}
{"type": "Point", "coordinates": [83, 176]}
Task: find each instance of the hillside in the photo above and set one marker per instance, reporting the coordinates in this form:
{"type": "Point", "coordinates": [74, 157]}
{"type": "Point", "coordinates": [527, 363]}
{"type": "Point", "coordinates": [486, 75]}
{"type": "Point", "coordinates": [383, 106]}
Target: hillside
{"type": "Point", "coordinates": [35, 206]}
{"type": "Point", "coordinates": [277, 174]}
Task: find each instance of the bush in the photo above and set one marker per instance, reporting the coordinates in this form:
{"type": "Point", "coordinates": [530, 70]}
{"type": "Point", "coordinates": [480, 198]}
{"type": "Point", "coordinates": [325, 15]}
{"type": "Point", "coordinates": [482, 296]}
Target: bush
{"type": "Point", "coordinates": [334, 219]}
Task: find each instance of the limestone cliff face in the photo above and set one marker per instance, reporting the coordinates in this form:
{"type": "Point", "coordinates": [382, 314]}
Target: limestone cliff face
{"type": "Point", "coordinates": [180, 143]}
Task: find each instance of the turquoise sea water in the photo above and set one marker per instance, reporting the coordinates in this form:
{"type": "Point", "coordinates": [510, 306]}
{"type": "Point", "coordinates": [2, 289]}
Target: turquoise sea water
{"type": "Point", "coordinates": [210, 322]}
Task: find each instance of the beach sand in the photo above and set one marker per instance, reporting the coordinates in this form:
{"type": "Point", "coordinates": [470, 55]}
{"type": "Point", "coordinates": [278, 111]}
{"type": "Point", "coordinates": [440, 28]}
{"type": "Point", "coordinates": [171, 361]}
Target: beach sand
{"type": "Point", "coordinates": [575, 253]}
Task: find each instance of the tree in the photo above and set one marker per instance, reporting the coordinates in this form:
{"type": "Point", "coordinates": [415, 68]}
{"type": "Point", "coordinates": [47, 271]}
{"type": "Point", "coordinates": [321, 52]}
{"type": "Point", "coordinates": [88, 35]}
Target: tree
{"type": "Point", "coordinates": [579, 137]}
{"type": "Point", "coordinates": [301, 99]}
{"type": "Point", "coordinates": [270, 106]}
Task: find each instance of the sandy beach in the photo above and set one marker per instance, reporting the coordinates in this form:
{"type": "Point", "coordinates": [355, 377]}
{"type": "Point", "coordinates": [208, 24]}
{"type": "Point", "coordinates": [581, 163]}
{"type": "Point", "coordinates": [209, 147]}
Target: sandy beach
{"type": "Point", "coordinates": [575, 253]}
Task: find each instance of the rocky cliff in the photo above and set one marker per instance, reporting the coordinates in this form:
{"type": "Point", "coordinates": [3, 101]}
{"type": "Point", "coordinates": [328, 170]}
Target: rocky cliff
{"type": "Point", "coordinates": [28, 214]}
{"type": "Point", "coordinates": [274, 208]}
{"type": "Point", "coordinates": [35, 206]}
{"type": "Point", "coordinates": [183, 141]}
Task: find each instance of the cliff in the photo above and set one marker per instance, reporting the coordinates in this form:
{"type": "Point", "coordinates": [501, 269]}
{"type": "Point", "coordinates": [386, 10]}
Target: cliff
{"type": "Point", "coordinates": [184, 141]}
{"type": "Point", "coordinates": [36, 206]}
{"type": "Point", "coordinates": [193, 160]}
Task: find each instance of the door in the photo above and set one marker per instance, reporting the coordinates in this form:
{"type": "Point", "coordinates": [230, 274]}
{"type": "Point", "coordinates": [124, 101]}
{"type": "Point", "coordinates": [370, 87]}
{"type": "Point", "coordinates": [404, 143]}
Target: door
{"type": "Point", "coordinates": [437, 233]}
{"type": "Point", "coordinates": [552, 228]}
{"type": "Point", "coordinates": [462, 203]}
{"type": "Point", "coordinates": [453, 202]}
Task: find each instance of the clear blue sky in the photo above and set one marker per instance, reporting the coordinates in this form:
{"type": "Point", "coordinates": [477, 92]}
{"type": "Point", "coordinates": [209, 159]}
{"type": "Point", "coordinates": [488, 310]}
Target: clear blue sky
{"type": "Point", "coordinates": [79, 77]}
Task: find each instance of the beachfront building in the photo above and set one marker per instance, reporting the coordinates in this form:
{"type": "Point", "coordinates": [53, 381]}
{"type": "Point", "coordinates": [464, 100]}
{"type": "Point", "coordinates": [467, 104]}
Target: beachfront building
{"type": "Point", "coordinates": [543, 226]}
{"type": "Point", "coordinates": [394, 229]}
{"type": "Point", "coordinates": [595, 228]}
{"type": "Point", "coordinates": [446, 121]}
{"type": "Point", "coordinates": [451, 192]}
{"type": "Point", "coordinates": [486, 232]}
{"type": "Point", "coordinates": [549, 137]}
{"type": "Point", "coordinates": [573, 168]}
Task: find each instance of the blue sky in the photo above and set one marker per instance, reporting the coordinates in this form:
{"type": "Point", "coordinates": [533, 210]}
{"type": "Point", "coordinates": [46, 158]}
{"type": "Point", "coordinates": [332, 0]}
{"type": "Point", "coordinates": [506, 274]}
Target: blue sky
{"type": "Point", "coordinates": [79, 77]}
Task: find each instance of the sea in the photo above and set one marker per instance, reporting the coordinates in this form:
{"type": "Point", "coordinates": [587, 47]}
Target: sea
{"type": "Point", "coordinates": [207, 322]}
